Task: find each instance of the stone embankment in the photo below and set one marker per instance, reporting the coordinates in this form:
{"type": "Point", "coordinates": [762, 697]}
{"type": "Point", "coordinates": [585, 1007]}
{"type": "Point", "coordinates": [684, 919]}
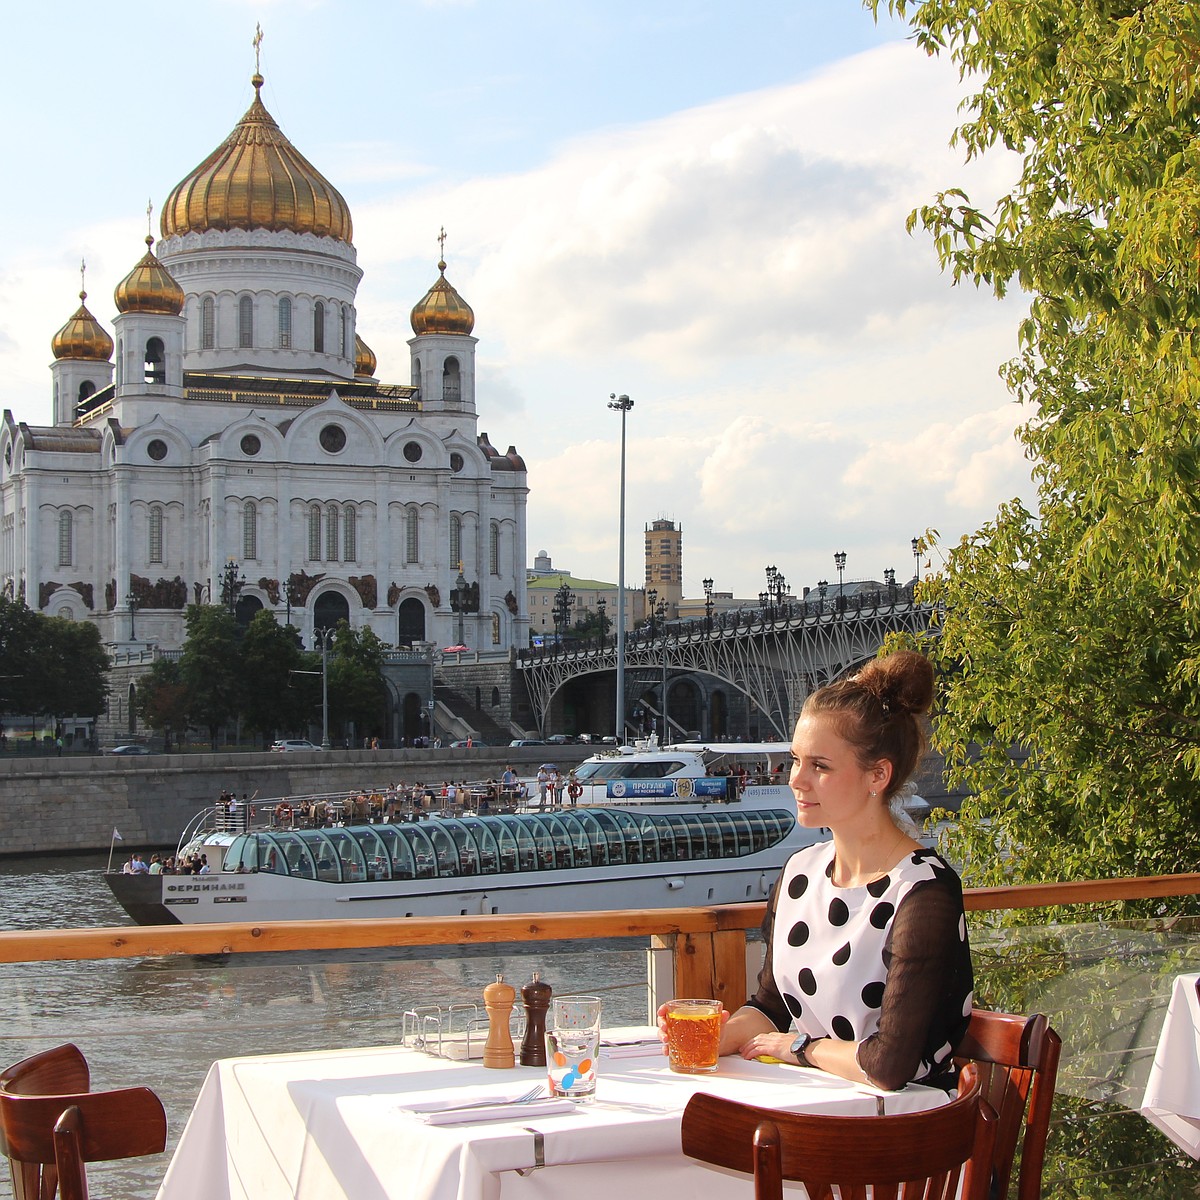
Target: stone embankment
{"type": "Point", "coordinates": [69, 804]}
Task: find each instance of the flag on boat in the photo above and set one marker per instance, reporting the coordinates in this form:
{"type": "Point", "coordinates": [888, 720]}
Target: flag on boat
{"type": "Point", "coordinates": [117, 835]}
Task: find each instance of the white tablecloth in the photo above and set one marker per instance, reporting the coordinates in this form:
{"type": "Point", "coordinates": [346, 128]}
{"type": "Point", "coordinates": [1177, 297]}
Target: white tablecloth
{"type": "Point", "coordinates": [1172, 1099]}
{"type": "Point", "coordinates": [326, 1125]}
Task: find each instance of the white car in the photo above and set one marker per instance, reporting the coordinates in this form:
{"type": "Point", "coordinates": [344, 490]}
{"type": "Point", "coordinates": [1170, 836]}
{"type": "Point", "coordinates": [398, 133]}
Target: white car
{"type": "Point", "coordinates": [285, 745]}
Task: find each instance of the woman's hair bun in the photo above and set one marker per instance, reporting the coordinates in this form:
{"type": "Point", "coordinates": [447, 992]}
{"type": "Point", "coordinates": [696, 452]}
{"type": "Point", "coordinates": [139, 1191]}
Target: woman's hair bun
{"type": "Point", "coordinates": [902, 682]}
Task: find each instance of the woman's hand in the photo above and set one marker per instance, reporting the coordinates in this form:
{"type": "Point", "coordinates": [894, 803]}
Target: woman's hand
{"type": "Point", "coordinates": [771, 1045]}
{"type": "Point", "coordinates": [662, 1023]}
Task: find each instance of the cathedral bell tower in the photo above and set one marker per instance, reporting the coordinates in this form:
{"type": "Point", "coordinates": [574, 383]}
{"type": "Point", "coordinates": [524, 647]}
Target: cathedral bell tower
{"type": "Point", "coordinates": [149, 330]}
{"type": "Point", "coordinates": [82, 353]}
{"type": "Point", "coordinates": [443, 352]}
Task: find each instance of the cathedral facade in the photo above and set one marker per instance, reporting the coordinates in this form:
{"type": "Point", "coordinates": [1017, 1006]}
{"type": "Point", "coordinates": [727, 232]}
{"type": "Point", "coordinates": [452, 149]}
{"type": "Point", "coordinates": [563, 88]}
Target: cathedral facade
{"type": "Point", "coordinates": [232, 428]}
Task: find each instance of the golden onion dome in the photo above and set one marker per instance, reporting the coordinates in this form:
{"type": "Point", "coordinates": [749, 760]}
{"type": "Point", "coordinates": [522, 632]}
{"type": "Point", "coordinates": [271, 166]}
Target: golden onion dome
{"type": "Point", "coordinates": [364, 358]}
{"type": "Point", "coordinates": [82, 337]}
{"type": "Point", "coordinates": [256, 179]}
{"type": "Point", "coordinates": [149, 287]}
{"type": "Point", "coordinates": [442, 309]}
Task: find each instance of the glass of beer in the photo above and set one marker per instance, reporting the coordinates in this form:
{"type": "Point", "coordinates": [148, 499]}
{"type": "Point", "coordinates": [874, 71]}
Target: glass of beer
{"type": "Point", "coordinates": [693, 1035]}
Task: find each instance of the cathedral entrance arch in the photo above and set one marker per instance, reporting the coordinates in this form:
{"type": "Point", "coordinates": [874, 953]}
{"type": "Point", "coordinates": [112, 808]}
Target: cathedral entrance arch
{"type": "Point", "coordinates": [410, 622]}
{"type": "Point", "coordinates": [329, 609]}
{"type": "Point", "coordinates": [414, 721]}
{"type": "Point", "coordinates": [247, 606]}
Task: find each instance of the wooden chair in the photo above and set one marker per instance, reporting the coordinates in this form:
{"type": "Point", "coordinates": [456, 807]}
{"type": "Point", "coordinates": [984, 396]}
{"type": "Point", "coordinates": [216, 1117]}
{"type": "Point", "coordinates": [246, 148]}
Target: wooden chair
{"type": "Point", "coordinates": [911, 1156]}
{"type": "Point", "coordinates": [1018, 1062]}
{"type": "Point", "coordinates": [49, 1136]}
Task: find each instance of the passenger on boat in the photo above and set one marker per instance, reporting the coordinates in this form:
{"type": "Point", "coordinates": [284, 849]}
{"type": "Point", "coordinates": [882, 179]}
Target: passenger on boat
{"type": "Point", "coordinates": [868, 970]}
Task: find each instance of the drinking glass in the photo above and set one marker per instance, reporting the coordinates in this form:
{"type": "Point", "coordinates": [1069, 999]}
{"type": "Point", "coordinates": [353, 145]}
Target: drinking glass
{"type": "Point", "coordinates": [693, 1035]}
{"type": "Point", "coordinates": [572, 1043]}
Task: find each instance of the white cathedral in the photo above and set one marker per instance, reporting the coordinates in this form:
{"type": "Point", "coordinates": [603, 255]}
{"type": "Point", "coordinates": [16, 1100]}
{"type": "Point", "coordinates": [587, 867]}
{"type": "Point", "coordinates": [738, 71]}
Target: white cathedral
{"type": "Point", "coordinates": [241, 429]}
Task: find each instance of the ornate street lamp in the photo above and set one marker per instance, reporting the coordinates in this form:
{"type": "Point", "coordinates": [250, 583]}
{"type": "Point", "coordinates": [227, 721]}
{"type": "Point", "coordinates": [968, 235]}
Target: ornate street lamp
{"type": "Point", "coordinates": [889, 578]}
{"type": "Point", "coordinates": [621, 404]}
{"type": "Point", "coordinates": [916, 549]}
{"type": "Point", "coordinates": [563, 602]}
{"type": "Point", "coordinates": [652, 606]}
{"type": "Point", "coordinates": [289, 592]}
{"type": "Point", "coordinates": [133, 604]}
{"type": "Point", "coordinates": [462, 596]}
{"type": "Point", "coordinates": [764, 599]}
{"type": "Point", "coordinates": [324, 637]}
{"type": "Point", "coordinates": [601, 608]}
{"type": "Point", "coordinates": [822, 587]}
{"type": "Point", "coordinates": [708, 604]}
{"type": "Point", "coordinates": [839, 561]}
{"type": "Point", "coordinates": [232, 583]}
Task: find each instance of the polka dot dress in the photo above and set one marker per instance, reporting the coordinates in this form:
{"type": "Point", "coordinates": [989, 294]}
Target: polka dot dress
{"type": "Point", "coordinates": [828, 943]}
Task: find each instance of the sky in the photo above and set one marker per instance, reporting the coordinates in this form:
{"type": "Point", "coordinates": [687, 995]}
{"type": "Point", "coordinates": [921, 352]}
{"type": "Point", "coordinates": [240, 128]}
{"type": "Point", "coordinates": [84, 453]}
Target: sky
{"type": "Point", "coordinates": [697, 204]}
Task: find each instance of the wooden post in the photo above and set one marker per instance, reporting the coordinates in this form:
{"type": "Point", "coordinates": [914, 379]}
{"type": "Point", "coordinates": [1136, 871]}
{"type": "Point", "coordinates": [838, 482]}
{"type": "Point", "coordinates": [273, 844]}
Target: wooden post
{"type": "Point", "coordinates": [709, 966]}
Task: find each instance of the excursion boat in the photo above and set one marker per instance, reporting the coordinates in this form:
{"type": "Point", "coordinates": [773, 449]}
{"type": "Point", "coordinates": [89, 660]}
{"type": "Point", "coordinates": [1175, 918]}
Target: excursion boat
{"type": "Point", "coordinates": [655, 828]}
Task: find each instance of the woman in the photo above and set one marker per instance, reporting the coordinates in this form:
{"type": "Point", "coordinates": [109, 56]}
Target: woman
{"type": "Point", "coordinates": [868, 971]}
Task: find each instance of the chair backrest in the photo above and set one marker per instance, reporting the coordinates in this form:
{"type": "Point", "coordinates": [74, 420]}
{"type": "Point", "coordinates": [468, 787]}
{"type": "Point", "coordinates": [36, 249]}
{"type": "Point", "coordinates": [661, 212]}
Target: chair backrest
{"type": "Point", "coordinates": [1018, 1061]}
{"type": "Point", "coordinates": [922, 1154]}
{"type": "Point", "coordinates": [107, 1125]}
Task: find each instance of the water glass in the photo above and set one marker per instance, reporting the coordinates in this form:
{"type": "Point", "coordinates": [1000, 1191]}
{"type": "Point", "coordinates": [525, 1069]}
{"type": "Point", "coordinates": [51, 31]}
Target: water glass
{"type": "Point", "coordinates": [693, 1036]}
{"type": "Point", "coordinates": [572, 1044]}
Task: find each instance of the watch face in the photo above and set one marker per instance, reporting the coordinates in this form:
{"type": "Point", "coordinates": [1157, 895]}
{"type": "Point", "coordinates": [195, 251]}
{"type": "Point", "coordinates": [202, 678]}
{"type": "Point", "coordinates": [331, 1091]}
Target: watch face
{"type": "Point", "coordinates": [800, 1045]}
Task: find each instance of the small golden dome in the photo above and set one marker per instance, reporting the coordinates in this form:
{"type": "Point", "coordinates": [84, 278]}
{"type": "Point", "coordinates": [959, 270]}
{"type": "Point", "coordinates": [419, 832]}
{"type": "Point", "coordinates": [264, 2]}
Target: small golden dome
{"type": "Point", "coordinates": [256, 179]}
{"type": "Point", "coordinates": [82, 337]}
{"type": "Point", "coordinates": [149, 287]}
{"type": "Point", "coordinates": [364, 358]}
{"type": "Point", "coordinates": [442, 309]}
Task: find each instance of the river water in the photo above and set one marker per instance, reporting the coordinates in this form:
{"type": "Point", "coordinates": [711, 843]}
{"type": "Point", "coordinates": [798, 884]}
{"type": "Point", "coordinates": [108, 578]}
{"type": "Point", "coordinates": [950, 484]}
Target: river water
{"type": "Point", "coordinates": [162, 1022]}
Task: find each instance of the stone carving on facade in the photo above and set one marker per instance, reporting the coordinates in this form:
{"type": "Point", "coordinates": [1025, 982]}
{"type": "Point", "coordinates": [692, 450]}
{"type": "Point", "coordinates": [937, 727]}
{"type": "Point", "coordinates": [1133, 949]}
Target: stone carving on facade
{"type": "Point", "coordinates": [110, 595]}
{"type": "Point", "coordinates": [367, 589]}
{"type": "Point", "coordinates": [165, 593]}
{"type": "Point", "coordinates": [510, 602]}
{"type": "Point", "coordinates": [393, 595]}
{"type": "Point", "coordinates": [81, 589]}
{"type": "Point", "coordinates": [301, 583]}
{"type": "Point", "coordinates": [271, 587]}
{"type": "Point", "coordinates": [434, 594]}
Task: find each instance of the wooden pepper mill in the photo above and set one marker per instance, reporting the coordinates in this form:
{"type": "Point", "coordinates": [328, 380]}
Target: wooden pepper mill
{"type": "Point", "coordinates": [498, 1051]}
{"type": "Point", "coordinates": [535, 996]}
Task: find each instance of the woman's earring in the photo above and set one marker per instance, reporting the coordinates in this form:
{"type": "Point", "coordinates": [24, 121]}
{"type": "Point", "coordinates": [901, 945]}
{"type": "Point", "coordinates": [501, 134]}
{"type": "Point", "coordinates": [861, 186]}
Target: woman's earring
{"type": "Point", "coordinates": [871, 794]}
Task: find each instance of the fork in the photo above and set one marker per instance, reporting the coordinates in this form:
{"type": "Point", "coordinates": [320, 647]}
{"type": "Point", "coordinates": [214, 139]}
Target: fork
{"type": "Point", "coordinates": [534, 1093]}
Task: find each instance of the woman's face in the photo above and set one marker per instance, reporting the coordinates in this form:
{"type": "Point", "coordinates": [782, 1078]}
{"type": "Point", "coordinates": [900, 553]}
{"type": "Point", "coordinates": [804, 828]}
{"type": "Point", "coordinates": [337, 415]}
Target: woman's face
{"type": "Point", "coordinates": [832, 789]}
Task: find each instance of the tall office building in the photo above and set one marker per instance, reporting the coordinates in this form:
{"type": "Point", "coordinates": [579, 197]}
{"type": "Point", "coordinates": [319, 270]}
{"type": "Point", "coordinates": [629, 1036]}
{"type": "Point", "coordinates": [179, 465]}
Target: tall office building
{"type": "Point", "coordinates": [664, 563]}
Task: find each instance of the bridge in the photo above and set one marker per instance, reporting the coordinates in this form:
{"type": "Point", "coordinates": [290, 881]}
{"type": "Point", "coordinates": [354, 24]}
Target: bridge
{"type": "Point", "coordinates": [774, 656]}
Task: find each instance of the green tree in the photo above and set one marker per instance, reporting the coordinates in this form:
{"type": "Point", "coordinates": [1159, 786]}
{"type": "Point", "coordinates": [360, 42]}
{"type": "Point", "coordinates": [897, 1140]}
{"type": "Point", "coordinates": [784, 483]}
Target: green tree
{"type": "Point", "coordinates": [1074, 630]}
{"type": "Point", "coordinates": [73, 668]}
{"type": "Point", "coordinates": [19, 648]}
{"type": "Point", "coordinates": [210, 667]}
{"type": "Point", "coordinates": [163, 701]}
{"type": "Point", "coordinates": [356, 689]}
{"type": "Point", "coordinates": [269, 655]}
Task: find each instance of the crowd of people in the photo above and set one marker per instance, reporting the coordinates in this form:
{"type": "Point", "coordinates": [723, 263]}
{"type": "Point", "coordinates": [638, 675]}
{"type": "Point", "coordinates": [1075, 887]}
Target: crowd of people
{"type": "Point", "coordinates": [192, 864]}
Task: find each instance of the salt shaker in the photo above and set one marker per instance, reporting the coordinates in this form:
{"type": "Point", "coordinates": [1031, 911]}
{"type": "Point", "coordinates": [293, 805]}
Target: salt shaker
{"type": "Point", "coordinates": [535, 996]}
{"type": "Point", "coordinates": [498, 998]}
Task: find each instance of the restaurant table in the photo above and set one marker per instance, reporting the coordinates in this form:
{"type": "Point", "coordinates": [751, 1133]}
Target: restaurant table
{"type": "Point", "coordinates": [329, 1124]}
{"type": "Point", "coordinates": [1172, 1098]}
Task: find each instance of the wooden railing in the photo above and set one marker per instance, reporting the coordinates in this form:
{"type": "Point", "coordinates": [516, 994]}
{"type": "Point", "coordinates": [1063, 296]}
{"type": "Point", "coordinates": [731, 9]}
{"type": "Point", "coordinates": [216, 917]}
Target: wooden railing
{"type": "Point", "coordinates": [709, 944]}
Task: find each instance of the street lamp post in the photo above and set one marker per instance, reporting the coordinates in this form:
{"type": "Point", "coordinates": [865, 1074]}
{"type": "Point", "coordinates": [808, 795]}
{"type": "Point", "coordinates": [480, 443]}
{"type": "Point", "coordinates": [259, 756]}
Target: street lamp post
{"type": "Point", "coordinates": [916, 549]}
{"type": "Point", "coordinates": [621, 404]}
{"type": "Point", "coordinates": [822, 587]}
{"type": "Point", "coordinates": [839, 561]}
{"type": "Point", "coordinates": [764, 600]}
{"type": "Point", "coordinates": [563, 601]}
{"type": "Point", "coordinates": [601, 607]}
{"type": "Point", "coordinates": [652, 604]}
{"type": "Point", "coordinates": [708, 604]}
{"type": "Point", "coordinates": [889, 579]}
{"type": "Point", "coordinates": [133, 605]}
{"type": "Point", "coordinates": [323, 636]}
{"type": "Point", "coordinates": [232, 583]}
{"type": "Point", "coordinates": [462, 592]}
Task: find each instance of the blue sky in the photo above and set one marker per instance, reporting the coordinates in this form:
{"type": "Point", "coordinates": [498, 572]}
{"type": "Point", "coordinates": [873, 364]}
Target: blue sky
{"type": "Point", "coordinates": [699, 204]}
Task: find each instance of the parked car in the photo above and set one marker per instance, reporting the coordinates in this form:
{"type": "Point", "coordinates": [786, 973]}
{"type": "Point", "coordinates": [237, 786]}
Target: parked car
{"type": "Point", "coordinates": [560, 739]}
{"type": "Point", "coordinates": [468, 744]}
{"type": "Point", "coordinates": [133, 748]}
{"type": "Point", "coordinates": [527, 742]}
{"type": "Point", "coordinates": [286, 745]}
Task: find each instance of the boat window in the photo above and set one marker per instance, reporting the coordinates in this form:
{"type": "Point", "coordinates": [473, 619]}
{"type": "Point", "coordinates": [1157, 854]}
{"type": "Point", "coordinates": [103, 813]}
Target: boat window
{"type": "Point", "coordinates": [529, 847]}
{"type": "Point", "coordinates": [630, 837]}
{"type": "Point", "coordinates": [468, 851]}
{"type": "Point", "coordinates": [544, 842]}
{"type": "Point", "coordinates": [350, 855]}
{"type": "Point", "coordinates": [666, 838]}
{"type": "Point", "coordinates": [738, 828]}
{"type": "Point", "coordinates": [588, 852]}
{"type": "Point", "coordinates": [300, 861]}
{"type": "Point", "coordinates": [597, 842]}
{"type": "Point", "coordinates": [684, 850]}
{"type": "Point", "coordinates": [563, 857]}
{"type": "Point", "coordinates": [506, 842]}
{"type": "Point", "coordinates": [270, 855]}
{"type": "Point", "coordinates": [445, 852]}
{"type": "Point", "coordinates": [376, 853]}
{"type": "Point", "coordinates": [595, 770]}
{"type": "Point", "coordinates": [328, 864]}
{"type": "Point", "coordinates": [613, 835]}
{"type": "Point", "coordinates": [659, 769]}
{"type": "Point", "coordinates": [243, 853]}
{"type": "Point", "coordinates": [485, 839]}
{"type": "Point", "coordinates": [399, 851]}
{"type": "Point", "coordinates": [422, 849]}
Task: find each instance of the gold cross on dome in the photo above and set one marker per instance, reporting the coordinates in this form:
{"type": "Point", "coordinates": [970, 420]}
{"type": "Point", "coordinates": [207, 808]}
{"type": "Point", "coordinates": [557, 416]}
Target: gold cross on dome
{"type": "Point", "coordinates": [149, 216]}
{"type": "Point", "coordinates": [257, 44]}
{"type": "Point", "coordinates": [82, 280]}
{"type": "Point", "coordinates": [442, 242]}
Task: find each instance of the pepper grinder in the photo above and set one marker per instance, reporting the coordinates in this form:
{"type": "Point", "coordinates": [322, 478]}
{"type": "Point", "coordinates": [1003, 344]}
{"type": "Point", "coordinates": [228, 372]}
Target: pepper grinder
{"type": "Point", "coordinates": [498, 998]}
{"type": "Point", "coordinates": [535, 996]}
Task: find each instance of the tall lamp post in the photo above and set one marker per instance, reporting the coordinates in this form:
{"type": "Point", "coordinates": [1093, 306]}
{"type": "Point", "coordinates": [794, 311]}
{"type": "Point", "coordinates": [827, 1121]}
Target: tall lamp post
{"type": "Point", "coordinates": [708, 604]}
{"type": "Point", "coordinates": [652, 607]}
{"type": "Point", "coordinates": [462, 591]}
{"type": "Point", "coordinates": [324, 636]}
{"type": "Point", "coordinates": [563, 602]}
{"type": "Point", "coordinates": [232, 583]}
{"type": "Point", "coordinates": [133, 605]}
{"type": "Point", "coordinates": [621, 404]}
{"type": "Point", "coordinates": [916, 549]}
{"type": "Point", "coordinates": [601, 608]}
{"type": "Point", "coordinates": [889, 579]}
{"type": "Point", "coordinates": [839, 561]}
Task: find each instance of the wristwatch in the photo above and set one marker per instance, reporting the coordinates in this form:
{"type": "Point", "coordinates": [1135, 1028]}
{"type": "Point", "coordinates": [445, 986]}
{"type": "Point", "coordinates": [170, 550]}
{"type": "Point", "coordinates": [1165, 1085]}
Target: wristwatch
{"type": "Point", "coordinates": [800, 1045]}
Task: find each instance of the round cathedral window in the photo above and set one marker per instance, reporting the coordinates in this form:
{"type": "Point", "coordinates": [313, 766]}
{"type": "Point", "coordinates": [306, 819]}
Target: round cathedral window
{"type": "Point", "coordinates": [333, 438]}
{"type": "Point", "coordinates": [412, 451]}
{"type": "Point", "coordinates": [456, 462]}
{"type": "Point", "coordinates": [251, 445]}
{"type": "Point", "coordinates": [157, 449]}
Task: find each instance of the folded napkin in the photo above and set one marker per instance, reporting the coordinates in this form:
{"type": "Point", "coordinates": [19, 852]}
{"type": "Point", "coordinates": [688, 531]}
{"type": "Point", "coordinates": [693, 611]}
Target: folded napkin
{"type": "Point", "coordinates": [444, 1112]}
{"type": "Point", "coordinates": [639, 1049]}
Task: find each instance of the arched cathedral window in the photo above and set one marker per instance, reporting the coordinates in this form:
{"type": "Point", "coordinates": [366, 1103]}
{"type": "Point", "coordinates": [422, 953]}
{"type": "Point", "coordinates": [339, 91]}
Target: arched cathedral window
{"type": "Point", "coordinates": [156, 361]}
{"type": "Point", "coordinates": [451, 381]}
{"type": "Point", "coordinates": [66, 539]}
{"type": "Point", "coordinates": [455, 540]}
{"type": "Point", "coordinates": [314, 533]}
{"type": "Point", "coordinates": [319, 327]}
{"type": "Point", "coordinates": [285, 323]}
{"type": "Point", "coordinates": [250, 531]}
{"type": "Point", "coordinates": [154, 549]}
{"type": "Point", "coordinates": [331, 533]}
{"type": "Point", "coordinates": [412, 535]}
{"type": "Point", "coordinates": [245, 322]}
{"type": "Point", "coordinates": [349, 534]}
{"type": "Point", "coordinates": [345, 331]}
{"type": "Point", "coordinates": [208, 323]}
{"type": "Point", "coordinates": [494, 548]}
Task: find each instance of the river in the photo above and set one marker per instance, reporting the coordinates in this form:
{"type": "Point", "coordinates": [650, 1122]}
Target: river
{"type": "Point", "coordinates": [162, 1022]}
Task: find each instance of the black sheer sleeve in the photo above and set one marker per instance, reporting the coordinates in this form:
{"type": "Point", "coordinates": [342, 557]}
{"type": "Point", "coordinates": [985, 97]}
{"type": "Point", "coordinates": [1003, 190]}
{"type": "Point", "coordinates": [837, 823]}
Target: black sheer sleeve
{"type": "Point", "coordinates": [767, 999]}
{"type": "Point", "coordinates": [929, 982]}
